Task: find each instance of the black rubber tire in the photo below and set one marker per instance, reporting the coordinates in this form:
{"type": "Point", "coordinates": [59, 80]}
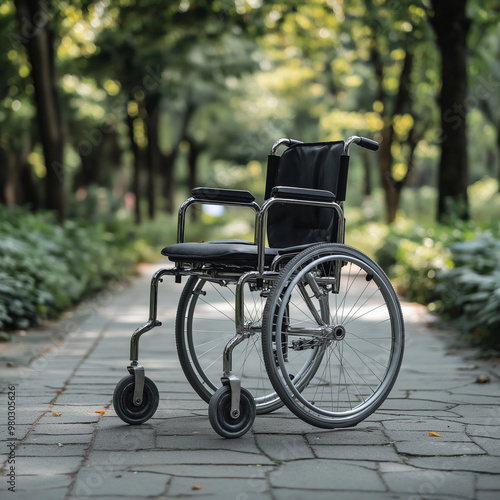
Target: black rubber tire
{"type": "Point", "coordinates": [124, 405]}
{"type": "Point", "coordinates": [302, 392]}
{"type": "Point", "coordinates": [220, 417]}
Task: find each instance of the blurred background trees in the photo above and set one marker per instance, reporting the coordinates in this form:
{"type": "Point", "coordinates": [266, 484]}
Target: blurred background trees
{"type": "Point", "coordinates": [137, 97]}
{"type": "Point", "coordinates": [111, 111]}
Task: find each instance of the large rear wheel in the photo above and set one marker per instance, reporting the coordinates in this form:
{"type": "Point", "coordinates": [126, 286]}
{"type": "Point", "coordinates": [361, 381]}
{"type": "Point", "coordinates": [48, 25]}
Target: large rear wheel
{"type": "Point", "coordinates": [333, 336]}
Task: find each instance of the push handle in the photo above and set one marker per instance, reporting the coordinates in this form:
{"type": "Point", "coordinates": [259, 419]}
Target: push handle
{"type": "Point", "coordinates": [368, 144]}
{"type": "Point", "coordinates": [360, 141]}
{"type": "Point", "coordinates": [284, 142]}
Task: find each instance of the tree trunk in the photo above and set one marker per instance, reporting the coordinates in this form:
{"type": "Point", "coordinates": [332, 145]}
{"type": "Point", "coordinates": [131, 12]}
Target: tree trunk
{"type": "Point", "coordinates": [367, 178]}
{"type": "Point", "coordinates": [38, 37]}
{"type": "Point", "coordinates": [392, 193]}
{"type": "Point", "coordinates": [27, 187]}
{"type": "Point", "coordinates": [167, 166]}
{"type": "Point", "coordinates": [192, 182]}
{"type": "Point", "coordinates": [28, 193]}
{"type": "Point", "coordinates": [195, 149]}
{"type": "Point", "coordinates": [154, 154]}
{"type": "Point", "coordinates": [194, 153]}
{"type": "Point", "coordinates": [392, 187]}
{"type": "Point", "coordinates": [4, 175]}
{"type": "Point", "coordinates": [498, 153]}
{"type": "Point", "coordinates": [10, 177]}
{"type": "Point", "coordinates": [451, 26]}
{"type": "Point", "coordinates": [136, 178]}
{"type": "Point", "coordinates": [168, 160]}
{"type": "Point", "coordinates": [90, 171]}
{"type": "Point", "coordinates": [17, 185]}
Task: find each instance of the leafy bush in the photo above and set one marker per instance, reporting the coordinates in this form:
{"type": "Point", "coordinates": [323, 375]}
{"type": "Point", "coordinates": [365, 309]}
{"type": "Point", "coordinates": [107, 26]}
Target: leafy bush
{"type": "Point", "coordinates": [455, 271]}
{"type": "Point", "coordinates": [484, 197]}
{"type": "Point", "coordinates": [412, 255]}
{"type": "Point", "coordinates": [46, 268]}
{"type": "Point", "coordinates": [416, 267]}
{"type": "Point", "coordinates": [367, 237]}
{"type": "Point", "coordinates": [470, 292]}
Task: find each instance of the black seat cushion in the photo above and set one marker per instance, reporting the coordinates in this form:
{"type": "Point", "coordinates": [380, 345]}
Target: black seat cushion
{"type": "Point", "coordinates": [227, 252]}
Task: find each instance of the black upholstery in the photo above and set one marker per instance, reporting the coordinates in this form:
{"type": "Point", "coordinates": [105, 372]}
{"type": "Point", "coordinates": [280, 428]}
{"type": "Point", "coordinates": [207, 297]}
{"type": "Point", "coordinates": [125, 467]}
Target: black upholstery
{"type": "Point", "coordinates": [302, 194]}
{"type": "Point", "coordinates": [215, 194]}
{"type": "Point", "coordinates": [303, 172]}
{"type": "Point", "coordinates": [312, 166]}
{"type": "Point", "coordinates": [219, 252]}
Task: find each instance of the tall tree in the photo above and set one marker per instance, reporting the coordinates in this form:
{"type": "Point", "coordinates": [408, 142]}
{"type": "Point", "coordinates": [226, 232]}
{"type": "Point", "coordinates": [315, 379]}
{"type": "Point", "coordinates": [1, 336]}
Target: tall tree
{"type": "Point", "coordinates": [398, 38]}
{"type": "Point", "coordinates": [451, 25]}
{"type": "Point", "coordinates": [151, 50]}
{"type": "Point", "coordinates": [17, 184]}
{"type": "Point", "coordinates": [485, 68]}
{"type": "Point", "coordinates": [391, 185]}
{"type": "Point", "coordinates": [38, 37]}
{"type": "Point", "coordinates": [378, 65]}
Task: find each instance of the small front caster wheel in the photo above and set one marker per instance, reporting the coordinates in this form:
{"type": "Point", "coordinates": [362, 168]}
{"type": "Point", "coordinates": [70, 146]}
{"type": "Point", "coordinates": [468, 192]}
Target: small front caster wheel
{"type": "Point", "coordinates": [123, 401]}
{"type": "Point", "coordinates": [219, 413]}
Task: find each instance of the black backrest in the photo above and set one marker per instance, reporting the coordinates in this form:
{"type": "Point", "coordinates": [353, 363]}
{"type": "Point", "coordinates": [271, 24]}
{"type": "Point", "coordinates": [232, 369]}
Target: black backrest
{"type": "Point", "coordinates": [313, 166]}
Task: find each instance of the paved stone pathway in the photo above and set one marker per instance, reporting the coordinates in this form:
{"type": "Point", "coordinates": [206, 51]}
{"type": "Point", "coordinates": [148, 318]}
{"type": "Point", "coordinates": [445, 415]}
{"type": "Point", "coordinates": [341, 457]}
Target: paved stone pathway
{"type": "Point", "coordinates": [64, 450]}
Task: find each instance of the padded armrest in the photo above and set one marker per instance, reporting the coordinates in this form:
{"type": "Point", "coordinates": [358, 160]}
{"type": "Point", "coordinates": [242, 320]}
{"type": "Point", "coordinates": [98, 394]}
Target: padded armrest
{"type": "Point", "coordinates": [222, 195]}
{"type": "Point", "coordinates": [302, 193]}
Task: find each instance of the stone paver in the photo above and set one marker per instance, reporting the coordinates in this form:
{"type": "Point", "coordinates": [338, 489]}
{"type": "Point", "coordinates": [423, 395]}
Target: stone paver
{"type": "Point", "coordinates": [64, 450]}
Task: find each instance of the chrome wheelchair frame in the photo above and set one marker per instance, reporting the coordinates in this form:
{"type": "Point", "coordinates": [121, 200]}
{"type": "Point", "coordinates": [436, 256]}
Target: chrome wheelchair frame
{"type": "Point", "coordinates": [136, 398]}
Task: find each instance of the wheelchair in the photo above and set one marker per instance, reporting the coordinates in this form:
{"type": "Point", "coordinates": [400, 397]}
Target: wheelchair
{"type": "Point", "coordinates": [307, 321]}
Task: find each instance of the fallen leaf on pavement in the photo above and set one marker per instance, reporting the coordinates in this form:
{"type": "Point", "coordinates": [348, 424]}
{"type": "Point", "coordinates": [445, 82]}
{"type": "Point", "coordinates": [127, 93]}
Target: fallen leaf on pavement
{"type": "Point", "coordinates": [483, 379]}
{"type": "Point", "coordinates": [469, 367]}
{"type": "Point", "coordinates": [100, 411]}
{"type": "Point", "coordinates": [434, 434]}
{"type": "Point", "coordinates": [197, 487]}
{"type": "Point", "coordinates": [56, 414]}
